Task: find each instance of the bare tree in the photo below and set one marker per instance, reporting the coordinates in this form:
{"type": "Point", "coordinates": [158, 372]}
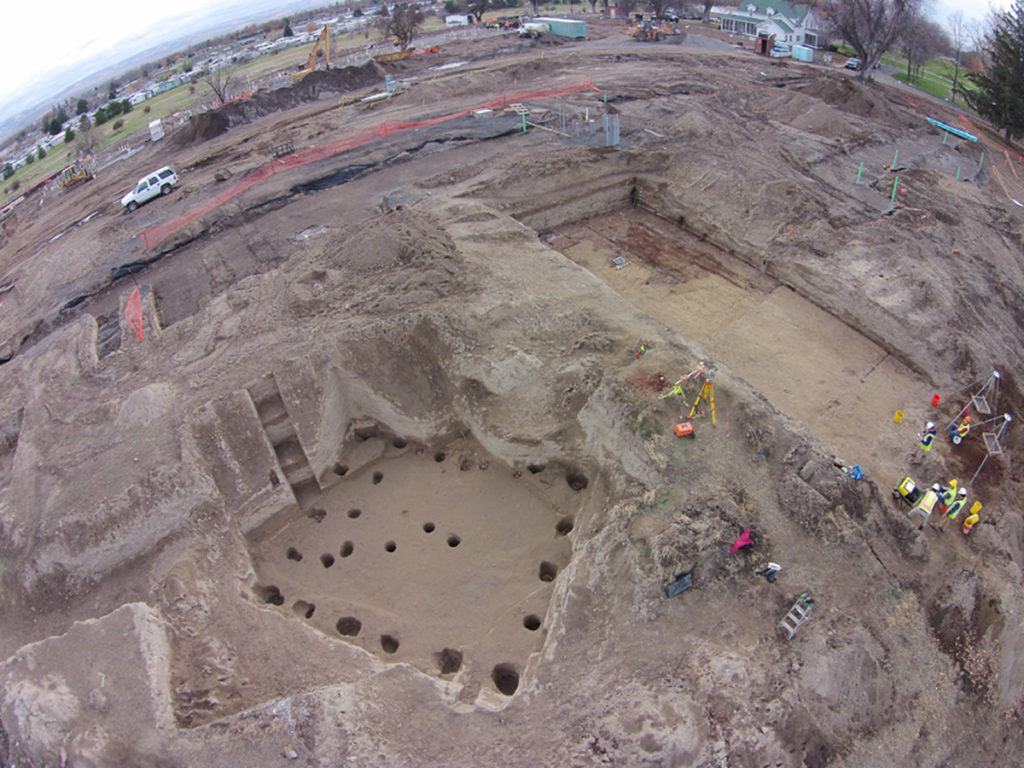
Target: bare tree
{"type": "Point", "coordinates": [706, 18]}
{"type": "Point", "coordinates": [628, 6]}
{"type": "Point", "coordinates": [920, 40]}
{"type": "Point", "coordinates": [958, 37]}
{"type": "Point", "coordinates": [535, 3]}
{"type": "Point", "coordinates": [402, 22]}
{"type": "Point", "coordinates": [659, 7]}
{"type": "Point", "coordinates": [220, 82]}
{"type": "Point", "coordinates": [477, 8]}
{"type": "Point", "coordinates": [870, 27]}
{"type": "Point", "coordinates": [86, 137]}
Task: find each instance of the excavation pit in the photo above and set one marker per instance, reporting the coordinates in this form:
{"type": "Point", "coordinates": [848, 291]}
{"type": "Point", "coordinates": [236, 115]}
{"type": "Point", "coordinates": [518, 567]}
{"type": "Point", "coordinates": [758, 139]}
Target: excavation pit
{"type": "Point", "coordinates": [437, 556]}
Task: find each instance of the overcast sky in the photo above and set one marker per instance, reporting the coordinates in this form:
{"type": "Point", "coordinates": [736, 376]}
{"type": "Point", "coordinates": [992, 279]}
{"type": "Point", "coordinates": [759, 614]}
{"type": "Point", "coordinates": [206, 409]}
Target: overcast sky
{"type": "Point", "coordinates": [50, 47]}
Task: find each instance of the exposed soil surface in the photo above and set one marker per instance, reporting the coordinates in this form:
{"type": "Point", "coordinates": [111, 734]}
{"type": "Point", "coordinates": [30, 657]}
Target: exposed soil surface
{"type": "Point", "coordinates": [378, 466]}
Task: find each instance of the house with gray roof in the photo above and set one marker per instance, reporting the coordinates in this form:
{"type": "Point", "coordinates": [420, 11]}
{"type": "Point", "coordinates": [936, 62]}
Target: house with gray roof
{"type": "Point", "coordinates": [786, 22]}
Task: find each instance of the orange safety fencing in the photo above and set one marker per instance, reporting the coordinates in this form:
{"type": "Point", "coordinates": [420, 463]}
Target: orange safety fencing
{"type": "Point", "coordinates": [155, 234]}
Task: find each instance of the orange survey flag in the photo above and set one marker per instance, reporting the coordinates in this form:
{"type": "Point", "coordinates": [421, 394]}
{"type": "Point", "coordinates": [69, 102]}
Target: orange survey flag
{"type": "Point", "coordinates": [133, 313]}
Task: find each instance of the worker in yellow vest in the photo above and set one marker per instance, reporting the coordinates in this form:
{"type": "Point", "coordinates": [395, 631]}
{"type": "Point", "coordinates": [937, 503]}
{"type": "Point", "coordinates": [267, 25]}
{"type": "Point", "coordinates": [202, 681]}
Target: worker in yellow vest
{"type": "Point", "coordinates": [924, 507]}
{"type": "Point", "coordinates": [953, 510]}
{"type": "Point", "coordinates": [927, 436]}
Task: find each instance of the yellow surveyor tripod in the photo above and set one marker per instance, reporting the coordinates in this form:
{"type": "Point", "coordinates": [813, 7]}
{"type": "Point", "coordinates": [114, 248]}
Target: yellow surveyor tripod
{"type": "Point", "coordinates": [707, 394]}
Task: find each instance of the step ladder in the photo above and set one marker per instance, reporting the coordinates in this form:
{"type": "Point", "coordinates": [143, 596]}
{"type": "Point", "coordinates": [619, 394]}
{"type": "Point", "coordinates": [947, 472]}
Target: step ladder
{"type": "Point", "coordinates": [519, 109]}
{"type": "Point", "coordinates": [798, 615]}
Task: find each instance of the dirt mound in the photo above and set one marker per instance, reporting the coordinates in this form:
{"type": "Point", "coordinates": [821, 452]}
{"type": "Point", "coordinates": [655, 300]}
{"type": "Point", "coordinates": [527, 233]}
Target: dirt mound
{"type": "Point", "coordinates": [204, 127]}
{"type": "Point", "coordinates": [852, 97]}
{"type": "Point", "coordinates": [400, 237]}
{"type": "Point", "coordinates": [217, 121]}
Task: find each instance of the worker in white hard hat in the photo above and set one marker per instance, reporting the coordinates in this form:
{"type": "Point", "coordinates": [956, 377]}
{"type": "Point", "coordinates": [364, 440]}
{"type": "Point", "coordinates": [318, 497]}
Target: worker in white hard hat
{"type": "Point", "coordinates": [953, 511]}
{"type": "Point", "coordinates": [927, 436]}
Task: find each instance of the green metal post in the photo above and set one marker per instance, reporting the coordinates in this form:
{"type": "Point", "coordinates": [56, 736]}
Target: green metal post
{"type": "Point", "coordinates": [894, 158]}
{"type": "Point", "coordinates": [982, 159]}
{"type": "Point", "coordinates": [958, 173]}
{"type": "Point", "coordinates": [524, 122]}
{"type": "Point", "coordinates": [945, 135]}
{"type": "Point", "coordinates": [860, 172]}
{"type": "Point", "coordinates": [894, 185]}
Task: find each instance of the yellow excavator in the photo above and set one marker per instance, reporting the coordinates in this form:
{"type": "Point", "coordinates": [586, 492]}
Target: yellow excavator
{"type": "Point", "coordinates": [325, 38]}
{"type": "Point", "coordinates": [72, 174]}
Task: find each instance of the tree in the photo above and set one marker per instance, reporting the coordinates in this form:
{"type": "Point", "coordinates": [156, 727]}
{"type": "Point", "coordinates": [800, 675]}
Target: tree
{"type": "Point", "coordinates": [82, 107]}
{"type": "Point", "coordinates": [357, 12]}
{"type": "Point", "coordinates": [54, 127]}
{"type": "Point", "coordinates": [220, 82]}
{"type": "Point", "coordinates": [287, 30]}
{"type": "Point", "coordinates": [628, 7]}
{"type": "Point", "coordinates": [706, 18]}
{"type": "Point", "coordinates": [112, 91]}
{"type": "Point", "coordinates": [870, 27]}
{"type": "Point", "coordinates": [477, 8]}
{"type": "Point", "coordinates": [8, 171]}
{"type": "Point", "coordinates": [921, 40]}
{"type": "Point", "coordinates": [69, 135]}
{"type": "Point", "coordinates": [402, 22]}
{"type": "Point", "coordinates": [126, 106]}
{"type": "Point", "coordinates": [659, 7]}
{"type": "Point", "coordinates": [41, 152]}
{"type": "Point", "coordinates": [30, 158]}
{"type": "Point", "coordinates": [958, 40]}
{"type": "Point", "coordinates": [999, 97]}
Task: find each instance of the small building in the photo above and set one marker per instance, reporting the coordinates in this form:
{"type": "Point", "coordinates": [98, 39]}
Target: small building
{"type": "Point", "coordinates": [563, 27]}
{"type": "Point", "coordinates": [786, 22]}
{"type": "Point", "coordinates": [458, 20]}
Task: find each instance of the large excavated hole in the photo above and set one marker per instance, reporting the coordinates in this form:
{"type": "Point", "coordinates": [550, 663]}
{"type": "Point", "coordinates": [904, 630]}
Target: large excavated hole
{"type": "Point", "coordinates": [576, 480]}
{"type": "Point", "coordinates": [564, 526]}
{"type": "Point", "coordinates": [506, 678]}
{"type": "Point", "coordinates": [431, 557]}
{"type": "Point", "coordinates": [341, 469]}
{"type": "Point", "coordinates": [548, 571]}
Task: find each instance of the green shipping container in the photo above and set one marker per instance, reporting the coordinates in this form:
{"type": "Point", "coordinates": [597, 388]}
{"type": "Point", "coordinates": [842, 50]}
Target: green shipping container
{"type": "Point", "coordinates": [564, 27]}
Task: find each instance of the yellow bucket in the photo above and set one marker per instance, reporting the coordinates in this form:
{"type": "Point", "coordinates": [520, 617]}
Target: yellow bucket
{"type": "Point", "coordinates": [898, 417]}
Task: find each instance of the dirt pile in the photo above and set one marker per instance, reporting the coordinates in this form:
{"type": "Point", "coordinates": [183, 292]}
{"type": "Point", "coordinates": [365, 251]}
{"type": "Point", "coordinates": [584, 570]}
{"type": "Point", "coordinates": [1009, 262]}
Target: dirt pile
{"type": "Point", "coordinates": [854, 98]}
{"type": "Point", "coordinates": [215, 122]}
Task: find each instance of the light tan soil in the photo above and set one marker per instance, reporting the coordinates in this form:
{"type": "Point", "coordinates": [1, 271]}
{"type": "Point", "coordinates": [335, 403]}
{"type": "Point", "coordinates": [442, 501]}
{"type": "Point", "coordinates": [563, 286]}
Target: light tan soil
{"type": "Point", "coordinates": [450, 291]}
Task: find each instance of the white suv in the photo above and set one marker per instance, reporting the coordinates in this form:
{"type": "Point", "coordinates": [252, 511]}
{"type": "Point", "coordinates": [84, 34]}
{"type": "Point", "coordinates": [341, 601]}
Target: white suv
{"type": "Point", "coordinates": [150, 186]}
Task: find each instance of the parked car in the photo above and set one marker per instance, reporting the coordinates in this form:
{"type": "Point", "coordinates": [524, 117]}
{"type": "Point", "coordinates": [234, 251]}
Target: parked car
{"type": "Point", "coordinates": [852, 64]}
{"type": "Point", "coordinates": [159, 182]}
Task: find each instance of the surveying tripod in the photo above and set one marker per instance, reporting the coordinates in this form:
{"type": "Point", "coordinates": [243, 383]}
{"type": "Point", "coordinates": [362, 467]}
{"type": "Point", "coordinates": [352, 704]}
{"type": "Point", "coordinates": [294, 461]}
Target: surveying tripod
{"type": "Point", "coordinates": [707, 394]}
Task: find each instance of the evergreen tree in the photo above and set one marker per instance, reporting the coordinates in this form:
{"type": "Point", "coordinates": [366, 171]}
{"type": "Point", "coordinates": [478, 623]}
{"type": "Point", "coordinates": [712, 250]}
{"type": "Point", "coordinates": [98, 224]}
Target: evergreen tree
{"type": "Point", "coordinates": [82, 107]}
{"type": "Point", "coordinates": [287, 30]}
{"type": "Point", "coordinates": [1000, 89]}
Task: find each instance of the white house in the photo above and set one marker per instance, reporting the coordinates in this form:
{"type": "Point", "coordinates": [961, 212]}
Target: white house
{"type": "Point", "coordinates": [786, 22]}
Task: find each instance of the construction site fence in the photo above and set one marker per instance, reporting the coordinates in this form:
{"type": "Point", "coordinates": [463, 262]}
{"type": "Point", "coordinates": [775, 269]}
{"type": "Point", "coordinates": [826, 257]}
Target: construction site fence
{"type": "Point", "coordinates": [156, 234]}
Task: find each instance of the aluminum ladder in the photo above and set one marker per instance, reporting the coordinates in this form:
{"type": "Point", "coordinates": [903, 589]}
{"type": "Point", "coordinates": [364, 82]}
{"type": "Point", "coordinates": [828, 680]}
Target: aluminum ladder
{"type": "Point", "coordinates": [798, 615]}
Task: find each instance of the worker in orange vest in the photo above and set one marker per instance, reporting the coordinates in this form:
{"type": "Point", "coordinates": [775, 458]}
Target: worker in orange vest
{"type": "Point", "coordinates": [924, 507]}
{"type": "Point", "coordinates": [958, 432]}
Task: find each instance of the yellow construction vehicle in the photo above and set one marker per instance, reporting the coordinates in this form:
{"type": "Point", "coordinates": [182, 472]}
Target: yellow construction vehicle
{"type": "Point", "coordinates": [649, 30]}
{"type": "Point", "coordinates": [325, 38]}
{"type": "Point", "coordinates": [72, 174]}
